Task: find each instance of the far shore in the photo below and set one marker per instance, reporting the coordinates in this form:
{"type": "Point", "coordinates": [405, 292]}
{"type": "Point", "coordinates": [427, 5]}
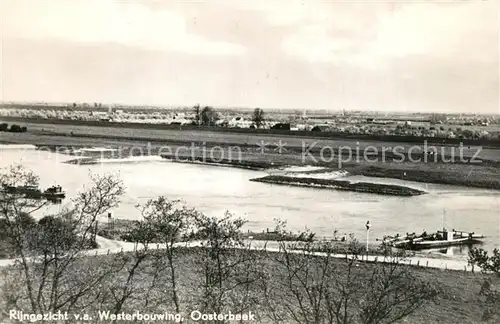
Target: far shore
{"type": "Point", "coordinates": [484, 174]}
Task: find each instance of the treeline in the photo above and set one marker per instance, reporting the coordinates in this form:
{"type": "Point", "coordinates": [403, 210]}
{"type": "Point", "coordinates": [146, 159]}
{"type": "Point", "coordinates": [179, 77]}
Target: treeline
{"type": "Point", "coordinates": [14, 128]}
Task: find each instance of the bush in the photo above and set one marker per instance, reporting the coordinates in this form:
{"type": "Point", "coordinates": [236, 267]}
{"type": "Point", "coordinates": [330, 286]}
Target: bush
{"type": "Point", "coordinates": [4, 127]}
{"type": "Point", "coordinates": [15, 128]}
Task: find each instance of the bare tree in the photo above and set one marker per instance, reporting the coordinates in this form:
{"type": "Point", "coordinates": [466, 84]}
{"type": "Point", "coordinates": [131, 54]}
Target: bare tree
{"type": "Point", "coordinates": [298, 293]}
{"type": "Point", "coordinates": [229, 269]}
{"type": "Point", "coordinates": [169, 225]}
{"type": "Point", "coordinates": [321, 288]}
{"type": "Point", "coordinates": [127, 284]}
{"type": "Point", "coordinates": [490, 291]}
{"type": "Point", "coordinates": [49, 252]}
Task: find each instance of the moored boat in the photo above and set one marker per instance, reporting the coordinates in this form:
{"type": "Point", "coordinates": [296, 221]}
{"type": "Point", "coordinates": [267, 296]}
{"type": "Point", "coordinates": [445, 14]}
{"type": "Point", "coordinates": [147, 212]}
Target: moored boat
{"type": "Point", "coordinates": [438, 239]}
{"type": "Point", "coordinates": [430, 244]}
{"type": "Point", "coordinates": [54, 192]}
{"type": "Point", "coordinates": [33, 192]}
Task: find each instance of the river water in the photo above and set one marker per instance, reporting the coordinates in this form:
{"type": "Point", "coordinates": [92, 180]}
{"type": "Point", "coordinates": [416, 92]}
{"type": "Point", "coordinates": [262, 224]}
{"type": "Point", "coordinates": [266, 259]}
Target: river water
{"type": "Point", "coordinates": [213, 190]}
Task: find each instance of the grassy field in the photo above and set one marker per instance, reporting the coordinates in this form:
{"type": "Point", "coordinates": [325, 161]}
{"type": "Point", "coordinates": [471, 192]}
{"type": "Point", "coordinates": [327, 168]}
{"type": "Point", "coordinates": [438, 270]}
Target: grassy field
{"type": "Point", "coordinates": [457, 301]}
{"type": "Point", "coordinates": [342, 153]}
{"type": "Point", "coordinates": [54, 124]}
{"type": "Point", "coordinates": [44, 132]}
{"type": "Point", "coordinates": [170, 135]}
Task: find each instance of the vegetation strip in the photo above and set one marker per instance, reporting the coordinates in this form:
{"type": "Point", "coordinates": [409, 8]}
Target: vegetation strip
{"type": "Point", "coordinates": [367, 187]}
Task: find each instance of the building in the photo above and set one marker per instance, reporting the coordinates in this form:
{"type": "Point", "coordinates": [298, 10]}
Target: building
{"type": "Point", "coordinates": [320, 128]}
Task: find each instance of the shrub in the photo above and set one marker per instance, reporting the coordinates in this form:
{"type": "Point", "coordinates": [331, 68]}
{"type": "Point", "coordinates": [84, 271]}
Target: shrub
{"type": "Point", "coordinates": [15, 128]}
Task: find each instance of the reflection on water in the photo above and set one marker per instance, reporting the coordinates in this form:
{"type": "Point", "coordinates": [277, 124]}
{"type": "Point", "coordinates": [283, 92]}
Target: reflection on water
{"type": "Point", "coordinates": [213, 190]}
{"type": "Point", "coordinates": [459, 250]}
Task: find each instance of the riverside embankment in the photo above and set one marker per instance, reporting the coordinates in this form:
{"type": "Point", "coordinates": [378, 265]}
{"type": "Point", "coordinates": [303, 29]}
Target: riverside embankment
{"type": "Point", "coordinates": [451, 165]}
{"type": "Point", "coordinates": [107, 246]}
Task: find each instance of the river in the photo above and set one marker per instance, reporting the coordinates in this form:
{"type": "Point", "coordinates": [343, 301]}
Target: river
{"type": "Point", "coordinates": [213, 190]}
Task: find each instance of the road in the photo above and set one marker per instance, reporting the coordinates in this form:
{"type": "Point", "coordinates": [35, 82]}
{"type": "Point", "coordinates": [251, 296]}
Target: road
{"type": "Point", "coordinates": [112, 247]}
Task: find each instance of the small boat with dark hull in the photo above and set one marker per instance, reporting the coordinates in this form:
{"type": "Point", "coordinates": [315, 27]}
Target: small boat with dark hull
{"type": "Point", "coordinates": [54, 193]}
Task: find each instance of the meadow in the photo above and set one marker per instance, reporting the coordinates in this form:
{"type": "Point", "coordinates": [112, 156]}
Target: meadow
{"type": "Point", "coordinates": [369, 158]}
{"type": "Point", "coordinates": [457, 300]}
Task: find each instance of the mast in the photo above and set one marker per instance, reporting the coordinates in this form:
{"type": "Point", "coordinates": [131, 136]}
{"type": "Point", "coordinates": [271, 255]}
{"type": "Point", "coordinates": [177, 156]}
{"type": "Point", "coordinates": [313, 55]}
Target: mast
{"type": "Point", "coordinates": [443, 220]}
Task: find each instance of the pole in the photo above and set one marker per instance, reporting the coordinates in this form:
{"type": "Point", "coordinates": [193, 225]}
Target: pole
{"type": "Point", "coordinates": [367, 235]}
{"type": "Point", "coordinates": [367, 238]}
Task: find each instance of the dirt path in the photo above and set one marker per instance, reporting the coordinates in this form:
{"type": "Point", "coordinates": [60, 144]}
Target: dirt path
{"type": "Point", "coordinates": [113, 246]}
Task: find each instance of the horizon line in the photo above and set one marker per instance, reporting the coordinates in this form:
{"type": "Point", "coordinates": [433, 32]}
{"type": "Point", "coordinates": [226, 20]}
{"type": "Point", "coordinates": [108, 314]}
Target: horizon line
{"type": "Point", "coordinates": [185, 106]}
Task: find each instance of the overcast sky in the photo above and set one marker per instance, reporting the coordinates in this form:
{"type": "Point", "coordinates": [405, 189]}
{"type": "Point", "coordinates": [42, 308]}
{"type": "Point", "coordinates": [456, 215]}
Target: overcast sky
{"type": "Point", "coordinates": [378, 55]}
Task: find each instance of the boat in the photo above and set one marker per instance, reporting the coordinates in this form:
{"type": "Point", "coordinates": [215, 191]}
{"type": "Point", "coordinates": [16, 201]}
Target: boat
{"type": "Point", "coordinates": [402, 241]}
{"type": "Point", "coordinates": [54, 193]}
{"type": "Point", "coordinates": [439, 239]}
{"type": "Point", "coordinates": [430, 244]}
{"type": "Point", "coordinates": [28, 191]}
{"type": "Point", "coordinates": [466, 234]}
{"type": "Point", "coordinates": [33, 192]}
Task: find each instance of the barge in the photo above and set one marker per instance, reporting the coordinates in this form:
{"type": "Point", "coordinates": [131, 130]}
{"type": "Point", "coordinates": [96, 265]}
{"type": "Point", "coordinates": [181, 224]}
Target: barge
{"type": "Point", "coordinates": [439, 239]}
{"type": "Point", "coordinates": [54, 193]}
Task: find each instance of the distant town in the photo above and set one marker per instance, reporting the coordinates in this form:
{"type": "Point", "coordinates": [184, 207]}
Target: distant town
{"type": "Point", "coordinates": [461, 126]}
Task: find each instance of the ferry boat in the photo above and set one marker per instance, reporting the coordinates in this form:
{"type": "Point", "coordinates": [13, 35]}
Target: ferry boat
{"type": "Point", "coordinates": [447, 238]}
{"type": "Point", "coordinates": [54, 192]}
{"type": "Point", "coordinates": [438, 239]}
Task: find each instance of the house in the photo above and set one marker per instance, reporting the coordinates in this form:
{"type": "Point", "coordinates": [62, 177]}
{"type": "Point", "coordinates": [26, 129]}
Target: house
{"type": "Point", "coordinates": [282, 126]}
{"type": "Point", "coordinates": [298, 127]}
{"type": "Point", "coordinates": [320, 128]}
{"type": "Point", "coordinates": [240, 122]}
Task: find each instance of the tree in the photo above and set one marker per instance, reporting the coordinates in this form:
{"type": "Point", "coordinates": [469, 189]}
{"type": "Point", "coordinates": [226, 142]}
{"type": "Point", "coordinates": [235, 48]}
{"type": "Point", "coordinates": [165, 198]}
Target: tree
{"type": "Point", "coordinates": [55, 272]}
{"type": "Point", "coordinates": [490, 293]}
{"type": "Point", "coordinates": [51, 276]}
{"type": "Point", "coordinates": [229, 271]}
{"type": "Point", "coordinates": [322, 289]}
{"type": "Point", "coordinates": [197, 115]}
{"type": "Point", "coordinates": [208, 116]}
{"type": "Point", "coordinates": [258, 117]}
{"type": "Point", "coordinates": [437, 118]}
{"type": "Point", "coordinates": [169, 225]}
{"type": "Point", "coordinates": [14, 128]}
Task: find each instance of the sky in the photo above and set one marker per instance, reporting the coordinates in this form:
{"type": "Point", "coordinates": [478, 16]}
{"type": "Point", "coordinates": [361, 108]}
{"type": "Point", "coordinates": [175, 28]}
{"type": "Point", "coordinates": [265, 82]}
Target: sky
{"type": "Point", "coordinates": [428, 56]}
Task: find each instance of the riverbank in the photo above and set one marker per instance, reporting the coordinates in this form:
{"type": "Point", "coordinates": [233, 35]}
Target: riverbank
{"type": "Point", "coordinates": [457, 299]}
{"type": "Point", "coordinates": [204, 147]}
{"type": "Point", "coordinates": [113, 234]}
